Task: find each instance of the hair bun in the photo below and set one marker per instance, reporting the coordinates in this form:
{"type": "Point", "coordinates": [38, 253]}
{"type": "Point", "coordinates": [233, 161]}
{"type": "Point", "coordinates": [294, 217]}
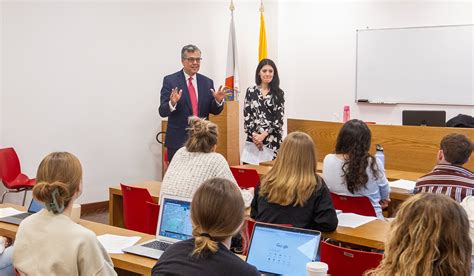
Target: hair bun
{"type": "Point", "coordinates": [197, 126]}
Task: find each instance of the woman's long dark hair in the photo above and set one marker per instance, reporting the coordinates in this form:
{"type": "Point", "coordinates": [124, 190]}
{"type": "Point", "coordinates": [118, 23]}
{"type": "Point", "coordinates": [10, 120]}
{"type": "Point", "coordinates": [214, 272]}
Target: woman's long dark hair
{"type": "Point", "coordinates": [274, 84]}
{"type": "Point", "coordinates": [354, 141]}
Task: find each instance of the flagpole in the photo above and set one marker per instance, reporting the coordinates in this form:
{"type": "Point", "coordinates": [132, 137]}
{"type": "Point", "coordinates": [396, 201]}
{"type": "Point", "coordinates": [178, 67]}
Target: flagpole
{"type": "Point", "coordinates": [262, 42]}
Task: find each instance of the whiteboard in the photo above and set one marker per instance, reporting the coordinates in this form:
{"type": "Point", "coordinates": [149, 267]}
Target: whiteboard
{"type": "Point", "coordinates": [419, 65]}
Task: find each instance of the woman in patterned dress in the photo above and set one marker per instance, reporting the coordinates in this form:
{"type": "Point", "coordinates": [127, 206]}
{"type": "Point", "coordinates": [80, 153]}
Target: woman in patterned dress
{"type": "Point", "coordinates": [264, 108]}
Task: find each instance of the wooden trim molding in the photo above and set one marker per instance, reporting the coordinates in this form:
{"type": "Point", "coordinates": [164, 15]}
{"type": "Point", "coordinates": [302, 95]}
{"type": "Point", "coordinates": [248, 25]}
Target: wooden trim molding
{"type": "Point", "coordinates": [94, 207]}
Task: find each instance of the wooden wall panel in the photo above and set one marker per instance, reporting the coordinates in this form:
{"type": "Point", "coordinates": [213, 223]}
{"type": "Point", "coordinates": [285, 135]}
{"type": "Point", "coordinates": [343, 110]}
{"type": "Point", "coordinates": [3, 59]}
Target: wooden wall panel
{"type": "Point", "coordinates": [407, 148]}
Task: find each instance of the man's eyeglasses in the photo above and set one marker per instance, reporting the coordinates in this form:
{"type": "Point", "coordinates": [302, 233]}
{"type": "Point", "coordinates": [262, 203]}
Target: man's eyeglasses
{"type": "Point", "coordinates": [191, 60]}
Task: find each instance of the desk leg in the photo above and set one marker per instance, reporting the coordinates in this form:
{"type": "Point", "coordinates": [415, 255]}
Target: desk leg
{"type": "Point", "coordinates": [116, 211]}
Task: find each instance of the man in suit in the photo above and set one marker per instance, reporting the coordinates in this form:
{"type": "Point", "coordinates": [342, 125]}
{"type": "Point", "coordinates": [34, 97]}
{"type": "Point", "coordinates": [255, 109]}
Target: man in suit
{"type": "Point", "coordinates": [187, 93]}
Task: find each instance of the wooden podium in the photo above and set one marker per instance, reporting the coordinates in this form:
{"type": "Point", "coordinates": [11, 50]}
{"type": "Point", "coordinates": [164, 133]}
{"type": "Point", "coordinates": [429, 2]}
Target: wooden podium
{"type": "Point", "coordinates": [228, 126]}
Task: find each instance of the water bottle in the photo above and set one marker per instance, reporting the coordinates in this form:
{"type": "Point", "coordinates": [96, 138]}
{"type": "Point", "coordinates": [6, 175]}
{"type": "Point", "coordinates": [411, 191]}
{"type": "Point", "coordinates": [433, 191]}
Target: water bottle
{"type": "Point", "coordinates": [346, 116]}
{"type": "Point", "coordinates": [379, 154]}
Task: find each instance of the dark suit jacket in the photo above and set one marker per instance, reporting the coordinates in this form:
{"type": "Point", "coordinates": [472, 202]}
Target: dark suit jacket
{"type": "Point", "coordinates": [178, 120]}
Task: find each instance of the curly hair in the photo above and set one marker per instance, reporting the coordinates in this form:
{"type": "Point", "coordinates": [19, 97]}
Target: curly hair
{"type": "Point", "coordinates": [429, 237]}
{"type": "Point", "coordinates": [353, 141]}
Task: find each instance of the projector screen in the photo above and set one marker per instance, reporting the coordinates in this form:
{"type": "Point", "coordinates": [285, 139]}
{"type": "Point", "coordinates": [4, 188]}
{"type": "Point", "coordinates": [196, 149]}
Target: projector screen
{"type": "Point", "coordinates": [419, 65]}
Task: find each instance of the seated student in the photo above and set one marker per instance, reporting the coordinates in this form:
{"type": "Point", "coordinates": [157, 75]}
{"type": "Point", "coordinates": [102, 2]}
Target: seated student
{"type": "Point", "coordinates": [217, 213]}
{"type": "Point", "coordinates": [448, 176]}
{"type": "Point", "coordinates": [197, 161]}
{"type": "Point", "coordinates": [429, 236]}
{"type": "Point", "coordinates": [6, 252]}
{"type": "Point", "coordinates": [468, 205]}
{"type": "Point", "coordinates": [353, 171]}
{"type": "Point", "coordinates": [49, 242]}
{"type": "Point", "coordinates": [292, 192]}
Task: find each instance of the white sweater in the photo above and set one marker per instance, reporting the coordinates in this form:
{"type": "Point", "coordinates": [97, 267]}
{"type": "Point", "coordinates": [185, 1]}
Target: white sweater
{"type": "Point", "coordinates": [49, 244]}
{"type": "Point", "coordinates": [188, 170]}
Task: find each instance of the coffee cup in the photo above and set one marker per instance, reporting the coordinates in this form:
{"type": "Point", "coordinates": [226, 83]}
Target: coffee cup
{"type": "Point", "coordinates": [76, 212]}
{"type": "Point", "coordinates": [316, 269]}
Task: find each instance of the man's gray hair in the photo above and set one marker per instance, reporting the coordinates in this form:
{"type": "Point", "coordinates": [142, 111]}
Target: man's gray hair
{"type": "Point", "coordinates": [189, 49]}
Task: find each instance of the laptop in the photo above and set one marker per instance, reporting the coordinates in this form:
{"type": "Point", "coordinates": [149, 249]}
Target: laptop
{"type": "Point", "coordinates": [174, 224]}
{"type": "Point", "coordinates": [35, 206]}
{"type": "Point", "coordinates": [424, 118]}
{"type": "Point", "coordinates": [282, 250]}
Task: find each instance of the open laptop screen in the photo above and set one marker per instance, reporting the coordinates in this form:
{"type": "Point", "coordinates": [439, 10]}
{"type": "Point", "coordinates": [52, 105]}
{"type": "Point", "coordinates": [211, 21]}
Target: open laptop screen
{"type": "Point", "coordinates": [175, 219]}
{"type": "Point", "coordinates": [282, 250]}
{"type": "Point", "coordinates": [35, 206]}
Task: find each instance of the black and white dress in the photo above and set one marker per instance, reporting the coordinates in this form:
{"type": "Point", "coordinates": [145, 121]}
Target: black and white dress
{"type": "Point", "coordinates": [261, 113]}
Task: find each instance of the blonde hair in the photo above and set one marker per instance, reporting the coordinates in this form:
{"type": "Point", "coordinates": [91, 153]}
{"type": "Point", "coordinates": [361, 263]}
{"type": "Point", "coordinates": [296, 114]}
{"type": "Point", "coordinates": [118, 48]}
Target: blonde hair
{"type": "Point", "coordinates": [61, 172]}
{"type": "Point", "coordinates": [217, 213]}
{"type": "Point", "coordinates": [292, 180]}
{"type": "Point", "coordinates": [430, 236]}
{"type": "Point", "coordinates": [202, 135]}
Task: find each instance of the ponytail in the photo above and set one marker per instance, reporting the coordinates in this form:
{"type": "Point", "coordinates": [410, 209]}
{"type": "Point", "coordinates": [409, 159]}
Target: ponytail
{"type": "Point", "coordinates": [204, 242]}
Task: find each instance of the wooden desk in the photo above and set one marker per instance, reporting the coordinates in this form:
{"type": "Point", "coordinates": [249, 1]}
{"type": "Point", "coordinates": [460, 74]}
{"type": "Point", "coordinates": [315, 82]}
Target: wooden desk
{"type": "Point", "coordinates": [373, 234]}
{"type": "Point", "coordinates": [268, 163]}
{"type": "Point", "coordinates": [116, 201]}
{"type": "Point", "coordinates": [128, 262]}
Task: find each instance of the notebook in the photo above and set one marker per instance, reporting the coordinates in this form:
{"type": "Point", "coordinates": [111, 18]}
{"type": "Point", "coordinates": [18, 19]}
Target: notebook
{"type": "Point", "coordinates": [174, 224]}
{"type": "Point", "coordinates": [35, 206]}
{"type": "Point", "coordinates": [282, 250]}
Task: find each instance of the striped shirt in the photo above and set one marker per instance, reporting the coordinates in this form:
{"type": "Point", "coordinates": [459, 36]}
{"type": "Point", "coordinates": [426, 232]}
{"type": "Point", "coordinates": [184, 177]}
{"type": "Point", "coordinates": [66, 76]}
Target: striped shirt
{"type": "Point", "coordinates": [454, 181]}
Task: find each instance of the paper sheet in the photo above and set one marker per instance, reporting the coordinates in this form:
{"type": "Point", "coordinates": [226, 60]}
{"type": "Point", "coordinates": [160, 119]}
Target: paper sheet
{"type": "Point", "coordinates": [353, 220]}
{"type": "Point", "coordinates": [115, 244]}
{"type": "Point", "coordinates": [252, 155]}
{"type": "Point", "coordinates": [9, 211]}
{"type": "Point", "coordinates": [403, 184]}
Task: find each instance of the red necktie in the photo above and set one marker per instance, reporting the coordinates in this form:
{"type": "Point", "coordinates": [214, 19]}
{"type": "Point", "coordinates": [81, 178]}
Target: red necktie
{"type": "Point", "coordinates": [192, 96]}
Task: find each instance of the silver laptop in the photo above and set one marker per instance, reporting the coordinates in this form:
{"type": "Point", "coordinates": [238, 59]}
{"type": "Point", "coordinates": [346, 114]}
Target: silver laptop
{"type": "Point", "coordinates": [35, 206]}
{"type": "Point", "coordinates": [280, 250]}
{"type": "Point", "coordinates": [174, 224]}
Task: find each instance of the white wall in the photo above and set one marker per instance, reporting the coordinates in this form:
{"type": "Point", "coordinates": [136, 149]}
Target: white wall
{"type": "Point", "coordinates": [85, 76]}
{"type": "Point", "coordinates": [317, 52]}
{"type": "Point", "coordinates": [1, 74]}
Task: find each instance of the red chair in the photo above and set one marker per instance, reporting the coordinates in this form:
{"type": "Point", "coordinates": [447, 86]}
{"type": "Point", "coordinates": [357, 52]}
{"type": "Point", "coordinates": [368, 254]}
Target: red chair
{"type": "Point", "coordinates": [246, 178]}
{"type": "Point", "coordinates": [152, 211]}
{"type": "Point", "coordinates": [347, 262]}
{"type": "Point", "coordinates": [135, 214]}
{"type": "Point", "coordinates": [360, 205]}
{"type": "Point", "coordinates": [11, 176]}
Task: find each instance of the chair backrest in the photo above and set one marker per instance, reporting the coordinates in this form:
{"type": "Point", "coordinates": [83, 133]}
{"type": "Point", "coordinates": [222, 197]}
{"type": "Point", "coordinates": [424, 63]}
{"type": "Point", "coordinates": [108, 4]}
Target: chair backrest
{"type": "Point", "coordinates": [246, 178]}
{"type": "Point", "coordinates": [135, 208]}
{"type": "Point", "coordinates": [348, 262]}
{"type": "Point", "coordinates": [360, 205]}
{"type": "Point", "coordinates": [9, 165]}
{"type": "Point", "coordinates": [152, 211]}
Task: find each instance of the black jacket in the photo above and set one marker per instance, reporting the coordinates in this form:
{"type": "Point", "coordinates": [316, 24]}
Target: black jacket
{"type": "Point", "coordinates": [317, 213]}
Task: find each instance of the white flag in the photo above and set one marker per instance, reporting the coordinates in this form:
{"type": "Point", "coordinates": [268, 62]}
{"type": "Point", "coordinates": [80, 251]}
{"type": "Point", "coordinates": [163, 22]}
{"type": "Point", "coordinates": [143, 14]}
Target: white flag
{"type": "Point", "coordinates": [232, 74]}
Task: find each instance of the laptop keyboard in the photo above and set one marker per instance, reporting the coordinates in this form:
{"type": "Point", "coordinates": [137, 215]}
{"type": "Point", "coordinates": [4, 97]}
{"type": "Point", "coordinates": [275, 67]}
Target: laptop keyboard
{"type": "Point", "coordinates": [22, 215]}
{"type": "Point", "coordinates": [158, 245]}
